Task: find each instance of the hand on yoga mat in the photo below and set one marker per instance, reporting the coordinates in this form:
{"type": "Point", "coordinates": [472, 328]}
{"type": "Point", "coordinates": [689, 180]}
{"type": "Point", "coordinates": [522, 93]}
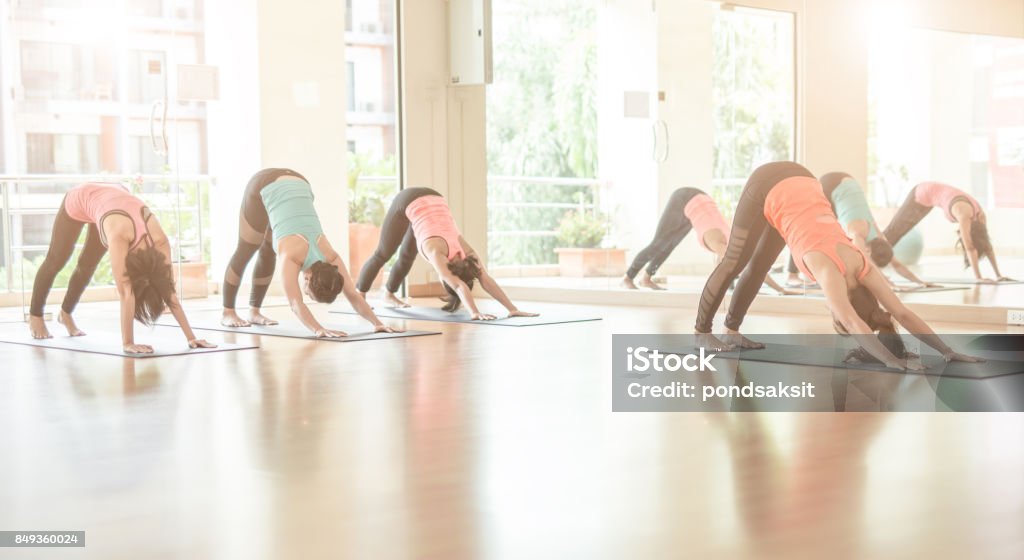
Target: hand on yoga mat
{"type": "Point", "coordinates": [386, 329]}
{"type": "Point", "coordinates": [138, 348]}
{"type": "Point", "coordinates": [958, 357]}
{"type": "Point", "coordinates": [484, 317]}
{"type": "Point", "coordinates": [1005, 279]}
{"type": "Point", "coordinates": [328, 333]}
{"type": "Point", "coordinates": [200, 343]}
{"type": "Point", "coordinates": [518, 313]}
{"type": "Point", "coordinates": [987, 281]}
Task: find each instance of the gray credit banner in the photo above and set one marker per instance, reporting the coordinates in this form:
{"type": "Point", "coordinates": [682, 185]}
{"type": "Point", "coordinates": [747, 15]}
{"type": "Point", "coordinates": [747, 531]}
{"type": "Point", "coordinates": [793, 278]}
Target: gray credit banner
{"type": "Point", "coordinates": [681, 373]}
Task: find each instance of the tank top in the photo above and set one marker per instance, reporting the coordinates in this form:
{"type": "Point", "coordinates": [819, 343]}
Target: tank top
{"type": "Point", "coordinates": [91, 203]}
{"type": "Point", "coordinates": [941, 195]}
{"type": "Point", "coordinates": [430, 217]}
{"type": "Point", "coordinates": [798, 209]}
{"type": "Point", "coordinates": [850, 205]}
{"type": "Point", "coordinates": [289, 204]}
{"type": "Point", "coordinates": [703, 213]}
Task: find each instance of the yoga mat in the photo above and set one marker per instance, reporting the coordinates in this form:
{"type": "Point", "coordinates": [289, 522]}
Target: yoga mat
{"type": "Point", "coordinates": [463, 316]}
{"type": "Point", "coordinates": [821, 294]}
{"type": "Point", "coordinates": [290, 329]}
{"type": "Point", "coordinates": [110, 344]}
{"type": "Point", "coordinates": [832, 357]}
{"type": "Point", "coordinates": [972, 282]}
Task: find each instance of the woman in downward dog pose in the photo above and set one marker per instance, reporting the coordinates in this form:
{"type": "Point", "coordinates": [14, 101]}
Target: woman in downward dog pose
{"type": "Point", "coordinates": [278, 218]}
{"type": "Point", "coordinates": [419, 220]}
{"type": "Point", "coordinates": [959, 208]}
{"type": "Point", "coordinates": [783, 204]}
{"type": "Point", "coordinates": [854, 214]}
{"type": "Point", "coordinates": [688, 208]}
{"type": "Point", "coordinates": [140, 257]}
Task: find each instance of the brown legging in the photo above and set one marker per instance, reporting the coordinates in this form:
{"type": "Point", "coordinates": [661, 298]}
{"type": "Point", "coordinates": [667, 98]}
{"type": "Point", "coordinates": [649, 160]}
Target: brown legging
{"type": "Point", "coordinates": [753, 248]}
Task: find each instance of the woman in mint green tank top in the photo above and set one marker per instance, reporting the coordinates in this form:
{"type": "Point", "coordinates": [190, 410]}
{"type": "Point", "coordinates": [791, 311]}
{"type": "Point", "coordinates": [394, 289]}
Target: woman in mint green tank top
{"type": "Point", "coordinates": [278, 219]}
{"type": "Point", "coordinates": [853, 212]}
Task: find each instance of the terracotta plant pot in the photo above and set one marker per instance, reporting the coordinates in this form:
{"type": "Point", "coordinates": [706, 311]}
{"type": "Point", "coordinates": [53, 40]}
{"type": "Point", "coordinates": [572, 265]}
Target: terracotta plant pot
{"type": "Point", "coordinates": [583, 263]}
{"type": "Point", "coordinates": [194, 281]}
{"type": "Point", "coordinates": [362, 242]}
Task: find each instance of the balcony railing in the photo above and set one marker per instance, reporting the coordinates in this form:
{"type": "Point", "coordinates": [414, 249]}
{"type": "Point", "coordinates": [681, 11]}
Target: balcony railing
{"type": "Point", "coordinates": [179, 202]}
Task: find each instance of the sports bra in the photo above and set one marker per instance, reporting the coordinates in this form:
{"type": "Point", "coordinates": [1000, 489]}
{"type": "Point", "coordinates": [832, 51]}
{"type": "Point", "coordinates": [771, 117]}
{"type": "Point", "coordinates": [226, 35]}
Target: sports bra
{"type": "Point", "coordinates": [941, 195]}
{"type": "Point", "coordinates": [798, 209]}
{"type": "Point", "coordinates": [289, 204]}
{"type": "Point", "coordinates": [429, 217]}
{"type": "Point", "coordinates": [91, 203]}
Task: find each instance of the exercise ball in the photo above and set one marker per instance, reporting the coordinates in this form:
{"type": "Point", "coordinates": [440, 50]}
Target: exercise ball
{"type": "Point", "coordinates": [909, 249]}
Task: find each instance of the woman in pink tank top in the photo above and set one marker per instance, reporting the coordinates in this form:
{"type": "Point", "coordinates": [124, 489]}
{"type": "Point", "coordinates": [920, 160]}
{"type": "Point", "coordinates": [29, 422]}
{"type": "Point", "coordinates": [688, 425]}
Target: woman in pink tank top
{"type": "Point", "coordinates": [783, 204]}
{"type": "Point", "coordinates": [419, 221]}
{"type": "Point", "coordinates": [688, 209]}
{"type": "Point", "coordinates": [959, 208]}
{"type": "Point", "coordinates": [140, 257]}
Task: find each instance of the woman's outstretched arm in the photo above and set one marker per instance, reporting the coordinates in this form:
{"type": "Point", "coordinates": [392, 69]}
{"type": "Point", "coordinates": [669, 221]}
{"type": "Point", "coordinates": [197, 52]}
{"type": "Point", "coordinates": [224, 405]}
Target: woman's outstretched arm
{"type": "Point", "coordinates": [355, 299]}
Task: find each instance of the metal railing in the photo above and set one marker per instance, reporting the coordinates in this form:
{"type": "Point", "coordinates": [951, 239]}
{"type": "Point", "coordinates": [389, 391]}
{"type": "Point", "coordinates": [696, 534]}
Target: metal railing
{"type": "Point", "coordinates": [41, 195]}
{"type": "Point", "coordinates": [516, 182]}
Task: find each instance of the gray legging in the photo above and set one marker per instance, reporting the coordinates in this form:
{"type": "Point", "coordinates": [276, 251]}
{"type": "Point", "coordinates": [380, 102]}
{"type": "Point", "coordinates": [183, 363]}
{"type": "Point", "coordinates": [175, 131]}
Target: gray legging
{"type": "Point", "coordinates": [254, 213]}
{"type": "Point", "coordinates": [753, 247]}
{"type": "Point", "coordinates": [673, 227]}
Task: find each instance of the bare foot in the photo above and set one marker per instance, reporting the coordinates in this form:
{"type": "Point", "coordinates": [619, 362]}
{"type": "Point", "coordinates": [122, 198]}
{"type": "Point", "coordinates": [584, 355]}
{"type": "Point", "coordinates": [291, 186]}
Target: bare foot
{"type": "Point", "coordinates": [627, 283]}
{"type": "Point", "coordinates": [391, 300]}
{"type": "Point", "coordinates": [738, 340]}
{"type": "Point", "coordinates": [37, 326]}
{"type": "Point", "coordinates": [794, 281]}
{"type": "Point", "coordinates": [647, 282]}
{"type": "Point", "coordinates": [257, 318]}
{"type": "Point", "coordinates": [711, 342]}
{"type": "Point", "coordinates": [230, 318]}
{"type": "Point", "coordinates": [69, 324]}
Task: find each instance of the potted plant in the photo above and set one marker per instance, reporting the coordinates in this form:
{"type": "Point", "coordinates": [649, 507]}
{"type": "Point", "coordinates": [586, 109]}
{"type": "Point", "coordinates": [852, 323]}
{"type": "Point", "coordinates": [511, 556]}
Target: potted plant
{"type": "Point", "coordinates": [580, 255]}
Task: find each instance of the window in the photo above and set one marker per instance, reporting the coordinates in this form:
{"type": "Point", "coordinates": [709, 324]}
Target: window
{"type": "Point", "coordinates": [926, 126]}
{"type": "Point", "coordinates": [147, 76]}
{"type": "Point", "coordinates": [351, 67]}
{"type": "Point", "coordinates": [62, 153]}
{"type": "Point", "coordinates": [145, 8]}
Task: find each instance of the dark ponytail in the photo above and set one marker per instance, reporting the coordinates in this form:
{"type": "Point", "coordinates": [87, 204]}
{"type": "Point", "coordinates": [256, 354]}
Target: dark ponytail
{"type": "Point", "coordinates": [878, 320]}
{"type": "Point", "coordinates": [152, 281]}
{"type": "Point", "coordinates": [325, 282]}
{"type": "Point", "coordinates": [468, 269]}
{"type": "Point", "coordinates": [979, 238]}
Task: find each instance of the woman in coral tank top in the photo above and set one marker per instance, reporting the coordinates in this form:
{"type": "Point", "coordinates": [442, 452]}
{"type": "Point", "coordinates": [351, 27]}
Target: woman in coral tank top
{"type": "Point", "coordinates": [140, 257]}
{"type": "Point", "coordinates": [688, 209]}
{"type": "Point", "coordinates": [959, 208]}
{"type": "Point", "coordinates": [783, 204]}
{"type": "Point", "coordinates": [419, 221]}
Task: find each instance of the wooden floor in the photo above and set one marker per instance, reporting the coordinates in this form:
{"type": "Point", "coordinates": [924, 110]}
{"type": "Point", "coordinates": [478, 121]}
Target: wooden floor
{"type": "Point", "coordinates": [485, 442]}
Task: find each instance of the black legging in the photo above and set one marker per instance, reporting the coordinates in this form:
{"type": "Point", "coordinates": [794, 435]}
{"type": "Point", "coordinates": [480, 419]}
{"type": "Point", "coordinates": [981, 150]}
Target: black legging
{"type": "Point", "coordinates": [62, 244]}
{"type": "Point", "coordinates": [829, 182]}
{"type": "Point", "coordinates": [909, 215]}
{"type": "Point", "coordinates": [673, 227]}
{"type": "Point", "coordinates": [395, 233]}
{"type": "Point", "coordinates": [254, 213]}
{"type": "Point", "coordinates": [753, 247]}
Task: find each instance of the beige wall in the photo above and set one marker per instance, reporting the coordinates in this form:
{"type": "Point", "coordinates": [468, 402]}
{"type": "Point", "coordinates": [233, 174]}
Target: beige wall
{"type": "Point", "coordinates": [301, 53]}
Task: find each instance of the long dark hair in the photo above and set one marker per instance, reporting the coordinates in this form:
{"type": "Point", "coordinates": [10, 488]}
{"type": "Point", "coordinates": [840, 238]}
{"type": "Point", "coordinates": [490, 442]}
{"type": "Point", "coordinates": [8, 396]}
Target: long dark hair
{"type": "Point", "coordinates": [979, 238]}
{"type": "Point", "coordinates": [881, 251]}
{"type": "Point", "coordinates": [879, 320]}
{"type": "Point", "coordinates": [152, 281]}
{"type": "Point", "coordinates": [468, 269]}
{"type": "Point", "coordinates": [325, 282]}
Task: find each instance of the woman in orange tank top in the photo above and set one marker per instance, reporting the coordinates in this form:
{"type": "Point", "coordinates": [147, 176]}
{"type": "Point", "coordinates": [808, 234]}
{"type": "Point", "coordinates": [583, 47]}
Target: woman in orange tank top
{"type": "Point", "coordinates": [419, 221]}
{"type": "Point", "coordinates": [782, 203]}
{"type": "Point", "coordinates": [140, 257]}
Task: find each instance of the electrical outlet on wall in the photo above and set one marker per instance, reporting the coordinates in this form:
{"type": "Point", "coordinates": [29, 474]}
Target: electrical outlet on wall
{"type": "Point", "coordinates": [1015, 317]}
